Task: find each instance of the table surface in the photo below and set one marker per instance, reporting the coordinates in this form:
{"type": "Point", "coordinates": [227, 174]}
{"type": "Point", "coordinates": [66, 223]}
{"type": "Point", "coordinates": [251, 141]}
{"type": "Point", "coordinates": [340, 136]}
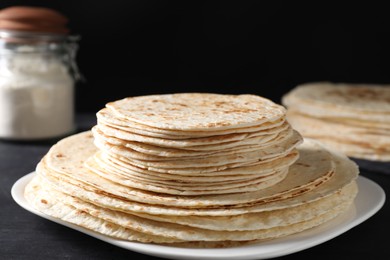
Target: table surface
{"type": "Point", "coordinates": [24, 235]}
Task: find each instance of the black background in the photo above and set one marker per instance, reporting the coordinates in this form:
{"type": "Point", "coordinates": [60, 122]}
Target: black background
{"type": "Point", "coordinates": [142, 47]}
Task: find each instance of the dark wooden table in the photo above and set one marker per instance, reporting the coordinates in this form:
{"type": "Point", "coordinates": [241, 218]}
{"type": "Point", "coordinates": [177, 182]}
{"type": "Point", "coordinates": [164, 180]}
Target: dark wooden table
{"type": "Point", "coordinates": [24, 235]}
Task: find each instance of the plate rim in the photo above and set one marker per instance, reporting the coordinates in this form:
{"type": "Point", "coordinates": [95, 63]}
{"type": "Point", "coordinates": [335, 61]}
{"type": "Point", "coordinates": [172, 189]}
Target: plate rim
{"type": "Point", "coordinates": [355, 216]}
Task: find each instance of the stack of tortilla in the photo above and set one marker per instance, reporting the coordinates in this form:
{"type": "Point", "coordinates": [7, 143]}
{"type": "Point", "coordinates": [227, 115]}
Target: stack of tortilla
{"type": "Point", "coordinates": [351, 118]}
{"type": "Point", "coordinates": [193, 170]}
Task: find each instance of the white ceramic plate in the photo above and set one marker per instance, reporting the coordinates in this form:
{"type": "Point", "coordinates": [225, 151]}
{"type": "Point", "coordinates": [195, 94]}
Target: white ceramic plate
{"type": "Point", "coordinates": [369, 200]}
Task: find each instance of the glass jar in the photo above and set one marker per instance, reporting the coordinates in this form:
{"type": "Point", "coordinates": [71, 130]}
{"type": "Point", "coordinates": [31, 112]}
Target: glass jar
{"type": "Point", "coordinates": [37, 79]}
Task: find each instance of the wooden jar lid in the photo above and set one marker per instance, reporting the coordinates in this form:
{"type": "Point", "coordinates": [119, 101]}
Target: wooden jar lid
{"type": "Point", "coordinates": [33, 19]}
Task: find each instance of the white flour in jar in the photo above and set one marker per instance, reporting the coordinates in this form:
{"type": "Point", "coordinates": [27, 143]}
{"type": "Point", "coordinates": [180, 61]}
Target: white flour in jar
{"type": "Point", "coordinates": [36, 97]}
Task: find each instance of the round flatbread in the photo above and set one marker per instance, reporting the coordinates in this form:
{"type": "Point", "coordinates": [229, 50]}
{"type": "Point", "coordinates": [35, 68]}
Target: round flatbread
{"type": "Point", "coordinates": [65, 161]}
{"type": "Point", "coordinates": [324, 99]}
{"type": "Point", "coordinates": [198, 111]}
{"type": "Point", "coordinates": [106, 116]}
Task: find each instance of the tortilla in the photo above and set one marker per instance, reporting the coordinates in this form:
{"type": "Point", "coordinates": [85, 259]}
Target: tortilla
{"type": "Point", "coordinates": [351, 118]}
{"type": "Point", "coordinates": [239, 158]}
{"type": "Point", "coordinates": [345, 173]}
{"type": "Point", "coordinates": [127, 226]}
{"type": "Point", "coordinates": [66, 160]}
{"type": "Point", "coordinates": [107, 117]}
{"type": "Point", "coordinates": [179, 188]}
{"type": "Point", "coordinates": [209, 112]}
{"type": "Point", "coordinates": [198, 175]}
{"type": "Point", "coordinates": [363, 101]}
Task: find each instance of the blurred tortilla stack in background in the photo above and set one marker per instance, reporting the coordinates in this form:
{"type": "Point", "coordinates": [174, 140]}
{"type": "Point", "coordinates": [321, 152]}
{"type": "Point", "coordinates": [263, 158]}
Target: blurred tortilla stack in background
{"type": "Point", "coordinates": [351, 118]}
